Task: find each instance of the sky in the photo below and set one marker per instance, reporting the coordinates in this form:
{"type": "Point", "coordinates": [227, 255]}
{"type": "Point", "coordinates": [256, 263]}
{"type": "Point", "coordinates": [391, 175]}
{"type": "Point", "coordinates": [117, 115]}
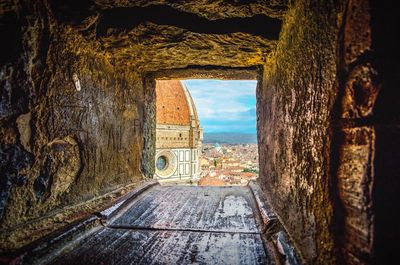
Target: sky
{"type": "Point", "coordinates": [225, 105]}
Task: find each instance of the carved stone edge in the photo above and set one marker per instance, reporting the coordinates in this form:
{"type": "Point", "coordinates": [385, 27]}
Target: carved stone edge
{"type": "Point", "coordinates": [112, 212]}
{"type": "Point", "coordinates": [273, 231]}
{"type": "Point", "coordinates": [38, 251]}
{"type": "Point", "coordinates": [41, 251]}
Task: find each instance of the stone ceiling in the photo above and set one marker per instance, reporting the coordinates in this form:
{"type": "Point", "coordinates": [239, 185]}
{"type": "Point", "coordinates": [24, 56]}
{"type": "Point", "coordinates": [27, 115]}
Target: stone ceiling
{"type": "Point", "coordinates": [153, 35]}
{"type": "Point", "coordinates": [210, 9]}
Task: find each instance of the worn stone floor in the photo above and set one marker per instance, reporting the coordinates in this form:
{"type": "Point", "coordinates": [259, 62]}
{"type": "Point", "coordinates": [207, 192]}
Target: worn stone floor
{"type": "Point", "coordinates": [176, 225]}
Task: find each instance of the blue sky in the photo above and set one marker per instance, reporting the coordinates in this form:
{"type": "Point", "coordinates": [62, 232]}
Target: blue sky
{"type": "Point", "coordinates": [225, 105]}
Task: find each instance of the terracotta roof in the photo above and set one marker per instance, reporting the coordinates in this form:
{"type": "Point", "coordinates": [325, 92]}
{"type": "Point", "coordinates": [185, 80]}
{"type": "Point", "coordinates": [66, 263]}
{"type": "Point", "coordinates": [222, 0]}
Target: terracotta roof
{"type": "Point", "coordinates": [210, 181]}
{"type": "Point", "coordinates": [172, 103]}
{"type": "Point", "coordinates": [247, 174]}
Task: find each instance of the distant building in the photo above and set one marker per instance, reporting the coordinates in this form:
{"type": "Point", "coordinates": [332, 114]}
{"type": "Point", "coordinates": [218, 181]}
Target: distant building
{"type": "Point", "coordinates": [178, 134]}
{"type": "Point", "coordinates": [218, 147]}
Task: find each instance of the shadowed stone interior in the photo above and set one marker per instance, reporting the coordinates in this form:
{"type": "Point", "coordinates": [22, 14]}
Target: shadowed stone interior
{"type": "Point", "coordinates": [77, 110]}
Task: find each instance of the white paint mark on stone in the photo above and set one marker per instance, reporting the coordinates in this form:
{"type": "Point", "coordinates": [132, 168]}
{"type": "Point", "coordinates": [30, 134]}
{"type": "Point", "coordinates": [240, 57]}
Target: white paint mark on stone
{"type": "Point", "coordinates": [113, 208]}
{"type": "Point", "coordinates": [76, 81]}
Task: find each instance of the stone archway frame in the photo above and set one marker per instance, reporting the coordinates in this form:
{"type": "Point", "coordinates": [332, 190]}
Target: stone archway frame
{"type": "Point", "coordinates": [191, 72]}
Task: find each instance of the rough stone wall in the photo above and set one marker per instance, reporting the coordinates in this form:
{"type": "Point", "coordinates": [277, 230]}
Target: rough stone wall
{"type": "Point", "coordinates": [212, 10]}
{"type": "Point", "coordinates": [359, 87]}
{"type": "Point", "coordinates": [294, 104]}
{"type": "Point", "coordinates": [328, 131]}
{"type": "Point", "coordinates": [328, 110]}
{"type": "Point", "coordinates": [60, 146]}
{"type": "Point", "coordinates": [368, 133]}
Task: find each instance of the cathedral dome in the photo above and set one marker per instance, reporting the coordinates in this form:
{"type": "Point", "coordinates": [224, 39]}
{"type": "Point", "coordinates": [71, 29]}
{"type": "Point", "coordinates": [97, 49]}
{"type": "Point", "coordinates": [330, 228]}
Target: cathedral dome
{"type": "Point", "coordinates": [178, 134]}
{"type": "Point", "coordinates": [174, 104]}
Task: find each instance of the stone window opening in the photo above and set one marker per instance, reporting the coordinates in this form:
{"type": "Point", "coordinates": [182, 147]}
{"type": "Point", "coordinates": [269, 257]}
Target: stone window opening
{"type": "Point", "coordinates": [175, 144]}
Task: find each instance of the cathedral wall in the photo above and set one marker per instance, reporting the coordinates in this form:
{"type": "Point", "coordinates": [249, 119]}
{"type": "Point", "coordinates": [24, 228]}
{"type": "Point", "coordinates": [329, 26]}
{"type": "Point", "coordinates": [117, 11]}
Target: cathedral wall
{"type": "Point", "coordinates": [185, 163]}
{"type": "Point", "coordinates": [172, 136]}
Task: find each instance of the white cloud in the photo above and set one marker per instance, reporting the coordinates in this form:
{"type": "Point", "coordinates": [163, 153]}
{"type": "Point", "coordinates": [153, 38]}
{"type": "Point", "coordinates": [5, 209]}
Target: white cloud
{"type": "Point", "coordinates": [217, 100]}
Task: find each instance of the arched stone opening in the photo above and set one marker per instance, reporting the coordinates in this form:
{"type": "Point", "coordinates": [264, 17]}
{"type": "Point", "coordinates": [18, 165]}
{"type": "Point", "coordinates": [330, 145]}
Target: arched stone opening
{"type": "Point", "coordinates": [77, 110]}
{"type": "Point", "coordinates": [194, 72]}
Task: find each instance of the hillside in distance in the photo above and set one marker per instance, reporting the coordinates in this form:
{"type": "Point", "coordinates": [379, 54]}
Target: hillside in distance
{"type": "Point", "coordinates": [230, 138]}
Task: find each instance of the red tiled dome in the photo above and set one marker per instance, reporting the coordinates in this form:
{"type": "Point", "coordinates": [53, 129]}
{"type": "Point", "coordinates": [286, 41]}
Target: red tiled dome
{"type": "Point", "coordinates": [173, 103]}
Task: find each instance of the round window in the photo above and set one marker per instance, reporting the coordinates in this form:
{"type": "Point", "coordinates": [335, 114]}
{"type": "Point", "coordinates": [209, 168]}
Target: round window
{"type": "Point", "coordinates": [161, 163]}
{"type": "Point", "coordinates": [165, 164]}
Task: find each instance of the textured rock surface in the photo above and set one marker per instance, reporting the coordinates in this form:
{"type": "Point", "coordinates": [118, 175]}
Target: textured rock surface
{"type": "Point", "coordinates": [368, 133]}
{"type": "Point", "coordinates": [220, 225]}
{"type": "Point", "coordinates": [61, 146]}
{"type": "Point", "coordinates": [211, 209]}
{"type": "Point", "coordinates": [150, 37]}
{"type": "Point", "coordinates": [162, 47]}
{"type": "Point", "coordinates": [355, 177]}
{"type": "Point", "coordinates": [110, 246]}
{"type": "Point", "coordinates": [77, 110]}
{"type": "Point", "coordinates": [294, 105]}
{"type": "Point", "coordinates": [326, 106]}
{"type": "Point", "coordinates": [215, 9]}
{"type": "Point", "coordinates": [77, 116]}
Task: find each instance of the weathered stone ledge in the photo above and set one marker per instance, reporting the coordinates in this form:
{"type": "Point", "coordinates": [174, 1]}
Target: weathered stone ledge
{"type": "Point", "coordinates": [273, 230]}
{"type": "Point", "coordinates": [21, 236]}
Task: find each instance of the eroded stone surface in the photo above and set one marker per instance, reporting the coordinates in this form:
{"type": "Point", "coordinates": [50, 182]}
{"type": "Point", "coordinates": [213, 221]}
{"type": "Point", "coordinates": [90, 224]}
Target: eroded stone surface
{"type": "Point", "coordinates": [64, 144]}
{"type": "Point", "coordinates": [72, 145]}
{"type": "Point", "coordinates": [294, 107]}
{"type": "Point", "coordinates": [59, 169]}
{"type": "Point", "coordinates": [123, 246]}
{"type": "Point", "coordinates": [327, 109]}
{"type": "Point", "coordinates": [355, 182]}
{"type": "Point", "coordinates": [361, 85]}
{"type": "Point", "coordinates": [195, 208]}
{"type": "Point", "coordinates": [177, 225]}
{"type": "Point", "coordinates": [210, 9]}
{"type": "Point", "coordinates": [146, 44]}
{"type": "Point", "coordinates": [150, 36]}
